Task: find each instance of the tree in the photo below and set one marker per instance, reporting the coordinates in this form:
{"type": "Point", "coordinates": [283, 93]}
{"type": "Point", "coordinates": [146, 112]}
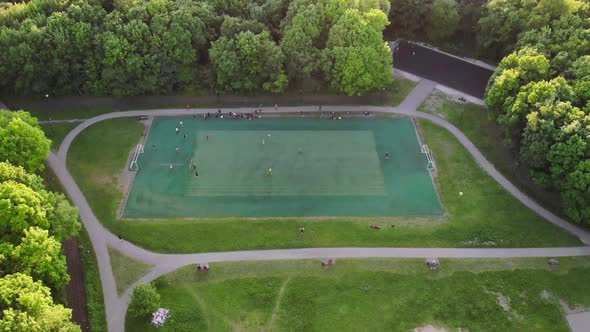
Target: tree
{"type": "Point", "coordinates": [39, 255]}
{"type": "Point", "coordinates": [300, 38]}
{"type": "Point", "coordinates": [531, 97]}
{"type": "Point", "coordinates": [144, 300]}
{"type": "Point", "coordinates": [576, 196]}
{"type": "Point", "coordinates": [27, 306]}
{"type": "Point", "coordinates": [443, 20]}
{"type": "Point", "coordinates": [63, 218]}
{"type": "Point", "coordinates": [248, 62]}
{"type": "Point", "coordinates": [500, 25]}
{"type": "Point", "coordinates": [9, 172]}
{"type": "Point", "coordinates": [232, 26]}
{"type": "Point", "coordinates": [357, 60]}
{"type": "Point", "coordinates": [22, 142]}
{"type": "Point", "coordinates": [514, 71]}
{"type": "Point", "coordinates": [408, 16]}
{"type": "Point", "coordinates": [21, 208]}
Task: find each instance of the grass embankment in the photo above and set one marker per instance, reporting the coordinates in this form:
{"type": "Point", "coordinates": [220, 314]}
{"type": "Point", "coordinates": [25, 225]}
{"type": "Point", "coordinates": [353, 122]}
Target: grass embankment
{"type": "Point", "coordinates": [372, 295]}
{"type": "Point", "coordinates": [56, 132]}
{"type": "Point", "coordinates": [126, 270]}
{"type": "Point", "coordinates": [485, 215]}
{"type": "Point", "coordinates": [92, 283]}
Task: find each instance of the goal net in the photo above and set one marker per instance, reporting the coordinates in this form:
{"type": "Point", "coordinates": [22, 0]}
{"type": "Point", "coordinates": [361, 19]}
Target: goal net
{"type": "Point", "coordinates": [138, 150]}
{"type": "Point", "coordinates": [431, 164]}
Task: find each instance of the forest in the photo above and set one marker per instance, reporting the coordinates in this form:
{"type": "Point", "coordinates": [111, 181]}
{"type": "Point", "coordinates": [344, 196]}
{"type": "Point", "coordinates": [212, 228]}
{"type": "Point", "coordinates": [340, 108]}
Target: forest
{"type": "Point", "coordinates": [129, 48]}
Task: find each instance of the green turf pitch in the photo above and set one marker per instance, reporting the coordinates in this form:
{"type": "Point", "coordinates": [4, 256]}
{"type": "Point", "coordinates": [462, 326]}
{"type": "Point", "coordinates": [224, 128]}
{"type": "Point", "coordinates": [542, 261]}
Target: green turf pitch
{"type": "Point", "coordinates": [281, 167]}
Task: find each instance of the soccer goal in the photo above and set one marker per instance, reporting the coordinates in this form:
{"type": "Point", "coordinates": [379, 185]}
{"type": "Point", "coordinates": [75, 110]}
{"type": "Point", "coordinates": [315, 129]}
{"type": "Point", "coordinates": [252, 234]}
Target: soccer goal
{"type": "Point", "coordinates": [431, 166]}
{"type": "Point", "coordinates": [138, 150]}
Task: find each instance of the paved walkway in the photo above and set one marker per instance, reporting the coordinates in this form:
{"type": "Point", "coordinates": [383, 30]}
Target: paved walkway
{"type": "Point", "coordinates": [116, 306]}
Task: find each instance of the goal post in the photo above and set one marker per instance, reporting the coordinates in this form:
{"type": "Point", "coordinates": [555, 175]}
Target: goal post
{"type": "Point", "coordinates": [431, 165]}
{"type": "Point", "coordinates": [133, 166]}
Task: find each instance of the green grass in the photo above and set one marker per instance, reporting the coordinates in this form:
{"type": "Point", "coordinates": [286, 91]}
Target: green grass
{"type": "Point", "coordinates": [372, 295]}
{"type": "Point", "coordinates": [68, 114]}
{"type": "Point", "coordinates": [476, 123]}
{"type": "Point", "coordinates": [92, 282]}
{"type": "Point", "coordinates": [56, 132]}
{"type": "Point", "coordinates": [485, 216]}
{"type": "Point", "coordinates": [126, 270]}
{"type": "Point", "coordinates": [400, 89]}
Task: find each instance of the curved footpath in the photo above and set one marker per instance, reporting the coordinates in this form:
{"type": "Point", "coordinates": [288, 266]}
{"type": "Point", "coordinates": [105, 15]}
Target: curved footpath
{"type": "Point", "coordinates": [116, 306]}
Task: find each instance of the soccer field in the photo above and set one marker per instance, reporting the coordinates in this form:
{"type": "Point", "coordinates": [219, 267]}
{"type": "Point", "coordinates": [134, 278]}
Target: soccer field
{"type": "Point", "coordinates": [281, 167]}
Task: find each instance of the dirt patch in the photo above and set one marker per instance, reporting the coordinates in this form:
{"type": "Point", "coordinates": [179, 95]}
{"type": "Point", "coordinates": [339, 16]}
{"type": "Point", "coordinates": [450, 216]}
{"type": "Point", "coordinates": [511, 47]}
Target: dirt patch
{"type": "Point", "coordinates": [278, 302]}
{"type": "Point", "coordinates": [430, 328]}
{"type": "Point", "coordinates": [434, 102]}
{"type": "Point", "coordinates": [75, 292]}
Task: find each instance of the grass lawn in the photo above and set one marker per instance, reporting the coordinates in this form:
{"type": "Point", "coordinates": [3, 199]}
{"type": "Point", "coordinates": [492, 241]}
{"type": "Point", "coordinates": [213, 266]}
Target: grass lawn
{"type": "Point", "coordinates": [477, 124]}
{"type": "Point", "coordinates": [56, 132]}
{"type": "Point", "coordinates": [127, 270]}
{"type": "Point", "coordinates": [67, 114]}
{"type": "Point", "coordinates": [372, 295]}
{"type": "Point", "coordinates": [92, 285]}
{"type": "Point", "coordinates": [485, 216]}
{"type": "Point", "coordinates": [400, 89]}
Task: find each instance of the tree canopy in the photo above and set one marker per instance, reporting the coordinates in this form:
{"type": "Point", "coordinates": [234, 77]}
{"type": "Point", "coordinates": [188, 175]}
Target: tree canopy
{"type": "Point", "coordinates": [357, 60]}
{"type": "Point", "coordinates": [27, 306]}
{"type": "Point", "coordinates": [144, 300]}
{"type": "Point", "coordinates": [33, 221]}
{"type": "Point", "coordinates": [541, 96]}
{"type": "Point", "coordinates": [22, 142]}
{"type": "Point", "coordinates": [130, 48]}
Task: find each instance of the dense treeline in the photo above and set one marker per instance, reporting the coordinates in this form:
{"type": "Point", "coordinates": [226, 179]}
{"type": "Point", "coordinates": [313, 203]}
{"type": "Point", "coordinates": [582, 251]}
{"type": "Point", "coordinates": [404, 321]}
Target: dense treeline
{"type": "Point", "coordinates": [123, 48]}
{"type": "Point", "coordinates": [541, 96]}
{"type": "Point", "coordinates": [487, 29]}
{"type": "Point", "coordinates": [33, 221]}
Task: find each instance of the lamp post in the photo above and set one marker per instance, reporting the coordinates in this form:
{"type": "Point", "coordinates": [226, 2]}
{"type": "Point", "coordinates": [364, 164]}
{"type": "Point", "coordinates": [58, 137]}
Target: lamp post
{"type": "Point", "coordinates": [462, 102]}
{"type": "Point", "coordinates": [49, 113]}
